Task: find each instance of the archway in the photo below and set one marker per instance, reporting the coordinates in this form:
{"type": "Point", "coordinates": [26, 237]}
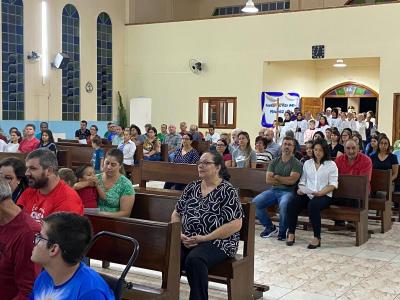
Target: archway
{"type": "Point", "coordinates": [354, 94]}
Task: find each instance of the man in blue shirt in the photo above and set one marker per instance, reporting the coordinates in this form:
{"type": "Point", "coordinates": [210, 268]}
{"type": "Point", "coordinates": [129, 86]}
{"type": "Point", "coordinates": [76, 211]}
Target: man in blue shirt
{"type": "Point", "coordinates": [59, 249]}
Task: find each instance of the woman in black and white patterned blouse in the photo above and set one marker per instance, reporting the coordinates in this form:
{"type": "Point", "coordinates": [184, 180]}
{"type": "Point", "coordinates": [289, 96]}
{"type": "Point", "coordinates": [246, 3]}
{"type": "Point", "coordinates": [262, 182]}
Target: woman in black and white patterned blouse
{"type": "Point", "coordinates": [211, 216]}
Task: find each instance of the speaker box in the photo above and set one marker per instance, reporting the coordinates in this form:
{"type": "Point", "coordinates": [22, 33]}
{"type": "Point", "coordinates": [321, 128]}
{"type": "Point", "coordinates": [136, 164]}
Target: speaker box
{"type": "Point", "coordinates": [61, 61]}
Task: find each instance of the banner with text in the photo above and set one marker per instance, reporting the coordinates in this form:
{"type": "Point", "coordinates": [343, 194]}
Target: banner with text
{"type": "Point", "coordinates": [287, 101]}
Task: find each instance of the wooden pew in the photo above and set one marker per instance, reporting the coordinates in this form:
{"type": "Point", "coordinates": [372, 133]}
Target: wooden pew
{"type": "Point", "coordinates": [381, 182]}
{"type": "Point", "coordinates": [351, 187]}
{"type": "Point", "coordinates": [396, 197]}
{"type": "Point", "coordinates": [250, 182]}
{"type": "Point", "coordinates": [63, 157]}
{"type": "Point", "coordinates": [201, 146]}
{"type": "Point", "coordinates": [159, 250]}
{"type": "Point", "coordinates": [238, 272]}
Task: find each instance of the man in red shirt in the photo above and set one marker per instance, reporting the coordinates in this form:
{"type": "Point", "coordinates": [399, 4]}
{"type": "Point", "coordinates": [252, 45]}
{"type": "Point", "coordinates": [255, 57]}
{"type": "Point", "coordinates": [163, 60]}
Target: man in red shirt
{"type": "Point", "coordinates": [353, 162]}
{"type": "Point", "coordinates": [29, 143]}
{"type": "Point", "coordinates": [47, 193]}
{"type": "Point", "coordinates": [17, 231]}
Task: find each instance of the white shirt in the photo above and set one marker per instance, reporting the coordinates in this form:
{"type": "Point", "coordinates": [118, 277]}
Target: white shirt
{"type": "Point", "coordinates": [302, 126]}
{"type": "Point", "coordinates": [361, 127]}
{"type": "Point", "coordinates": [323, 128]}
{"type": "Point", "coordinates": [212, 138]}
{"type": "Point", "coordinates": [128, 150]}
{"type": "Point", "coordinates": [10, 147]}
{"type": "Point", "coordinates": [317, 180]}
{"type": "Point", "coordinates": [3, 146]}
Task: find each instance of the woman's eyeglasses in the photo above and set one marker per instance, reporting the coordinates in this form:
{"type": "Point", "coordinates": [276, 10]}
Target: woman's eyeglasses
{"type": "Point", "coordinates": [205, 163]}
{"type": "Point", "coordinates": [221, 145]}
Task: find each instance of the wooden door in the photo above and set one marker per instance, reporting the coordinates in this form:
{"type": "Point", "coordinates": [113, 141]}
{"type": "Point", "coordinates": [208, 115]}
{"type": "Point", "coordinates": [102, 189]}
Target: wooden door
{"type": "Point", "coordinates": [396, 118]}
{"type": "Point", "coordinates": [313, 104]}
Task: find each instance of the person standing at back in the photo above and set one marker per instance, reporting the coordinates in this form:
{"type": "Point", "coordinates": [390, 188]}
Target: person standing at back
{"type": "Point", "coordinates": [29, 142]}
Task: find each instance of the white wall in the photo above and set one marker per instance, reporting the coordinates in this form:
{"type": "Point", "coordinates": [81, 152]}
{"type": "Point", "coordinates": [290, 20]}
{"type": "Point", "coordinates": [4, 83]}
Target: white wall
{"type": "Point", "coordinates": [235, 50]}
{"type": "Point", "coordinates": [43, 102]}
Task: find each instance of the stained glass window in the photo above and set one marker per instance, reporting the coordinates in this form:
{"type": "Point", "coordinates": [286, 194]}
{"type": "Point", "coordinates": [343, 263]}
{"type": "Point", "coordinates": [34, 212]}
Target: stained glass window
{"type": "Point", "coordinates": [71, 73]}
{"type": "Point", "coordinates": [12, 25]}
{"type": "Point", "coordinates": [104, 68]}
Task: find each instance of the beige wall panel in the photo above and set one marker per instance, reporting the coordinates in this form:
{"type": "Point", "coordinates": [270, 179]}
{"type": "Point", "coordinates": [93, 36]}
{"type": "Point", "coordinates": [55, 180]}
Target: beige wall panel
{"type": "Point", "coordinates": [235, 50]}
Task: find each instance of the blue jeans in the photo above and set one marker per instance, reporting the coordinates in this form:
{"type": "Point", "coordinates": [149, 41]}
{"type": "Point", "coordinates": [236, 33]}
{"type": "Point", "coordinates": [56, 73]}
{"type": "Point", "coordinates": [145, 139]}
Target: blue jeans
{"type": "Point", "coordinates": [269, 198]}
{"type": "Point", "coordinates": [154, 157]}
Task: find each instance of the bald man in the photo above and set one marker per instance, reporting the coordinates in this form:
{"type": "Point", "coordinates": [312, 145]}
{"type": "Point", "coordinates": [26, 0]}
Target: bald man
{"type": "Point", "coordinates": [272, 147]}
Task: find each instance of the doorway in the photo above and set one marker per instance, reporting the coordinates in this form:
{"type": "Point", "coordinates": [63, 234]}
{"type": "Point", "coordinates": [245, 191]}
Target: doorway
{"type": "Point", "coordinates": [336, 102]}
{"type": "Point", "coordinates": [354, 94]}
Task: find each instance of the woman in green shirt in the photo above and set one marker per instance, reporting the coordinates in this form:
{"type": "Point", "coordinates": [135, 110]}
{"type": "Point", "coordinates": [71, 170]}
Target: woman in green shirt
{"type": "Point", "coordinates": [116, 193]}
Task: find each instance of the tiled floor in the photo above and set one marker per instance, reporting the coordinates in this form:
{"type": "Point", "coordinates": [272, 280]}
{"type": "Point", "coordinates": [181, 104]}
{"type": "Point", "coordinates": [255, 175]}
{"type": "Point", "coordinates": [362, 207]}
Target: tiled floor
{"type": "Point", "coordinates": [337, 270]}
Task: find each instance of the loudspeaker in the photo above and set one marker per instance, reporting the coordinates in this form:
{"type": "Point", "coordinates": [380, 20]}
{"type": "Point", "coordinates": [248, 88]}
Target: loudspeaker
{"type": "Point", "coordinates": [61, 61]}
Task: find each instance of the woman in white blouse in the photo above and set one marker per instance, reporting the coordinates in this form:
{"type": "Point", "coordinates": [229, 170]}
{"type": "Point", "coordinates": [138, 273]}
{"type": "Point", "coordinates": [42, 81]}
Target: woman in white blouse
{"type": "Point", "coordinates": [319, 179]}
{"type": "Point", "coordinates": [13, 145]}
{"type": "Point", "coordinates": [128, 148]}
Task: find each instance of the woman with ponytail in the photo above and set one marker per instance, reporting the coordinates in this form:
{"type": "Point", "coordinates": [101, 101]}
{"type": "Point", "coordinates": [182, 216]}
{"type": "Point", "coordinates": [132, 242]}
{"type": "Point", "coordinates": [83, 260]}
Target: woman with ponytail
{"type": "Point", "coordinates": [211, 216]}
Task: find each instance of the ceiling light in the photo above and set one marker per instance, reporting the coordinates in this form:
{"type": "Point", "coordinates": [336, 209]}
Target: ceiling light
{"type": "Point", "coordinates": [249, 8]}
{"type": "Point", "coordinates": [339, 64]}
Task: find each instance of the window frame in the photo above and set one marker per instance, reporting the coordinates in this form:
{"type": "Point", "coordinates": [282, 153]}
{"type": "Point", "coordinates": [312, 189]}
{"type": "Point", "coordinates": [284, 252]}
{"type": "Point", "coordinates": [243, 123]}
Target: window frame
{"type": "Point", "coordinates": [216, 101]}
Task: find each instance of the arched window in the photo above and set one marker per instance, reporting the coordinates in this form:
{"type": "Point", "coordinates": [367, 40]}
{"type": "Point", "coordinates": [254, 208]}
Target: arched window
{"type": "Point", "coordinates": [71, 73]}
{"type": "Point", "coordinates": [104, 67]}
{"type": "Point", "coordinates": [12, 16]}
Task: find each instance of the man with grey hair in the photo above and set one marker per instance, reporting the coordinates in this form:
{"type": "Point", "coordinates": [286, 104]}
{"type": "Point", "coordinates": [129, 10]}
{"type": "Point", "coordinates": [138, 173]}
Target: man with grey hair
{"type": "Point", "coordinates": [272, 147]}
{"type": "Point", "coordinates": [173, 140]}
{"type": "Point", "coordinates": [17, 231]}
{"type": "Point", "coordinates": [194, 131]}
{"type": "Point", "coordinates": [235, 140]}
{"type": "Point", "coordinates": [47, 193]}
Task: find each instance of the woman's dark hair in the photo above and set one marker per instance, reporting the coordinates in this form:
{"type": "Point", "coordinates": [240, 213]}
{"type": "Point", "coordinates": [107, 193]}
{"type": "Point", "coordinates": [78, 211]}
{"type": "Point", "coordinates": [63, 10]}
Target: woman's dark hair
{"type": "Point", "coordinates": [189, 135]}
{"type": "Point", "coordinates": [336, 132]}
{"type": "Point", "coordinates": [263, 139]}
{"type": "Point", "coordinates": [80, 170]}
{"type": "Point", "coordinates": [360, 141]}
{"type": "Point", "coordinates": [219, 161]}
{"type": "Point", "coordinates": [71, 232]}
{"type": "Point", "coordinates": [50, 134]}
{"type": "Point", "coordinates": [11, 129]}
{"type": "Point", "coordinates": [95, 127]}
{"type": "Point", "coordinates": [117, 154]}
{"type": "Point", "coordinates": [154, 129]}
{"type": "Point", "coordinates": [350, 132]}
{"type": "Point", "coordinates": [17, 165]}
{"type": "Point", "coordinates": [226, 145]}
{"type": "Point", "coordinates": [335, 110]}
{"type": "Point", "coordinates": [320, 133]}
{"type": "Point", "coordinates": [137, 129]}
{"type": "Point", "coordinates": [326, 121]}
{"type": "Point", "coordinates": [325, 148]}
{"type": "Point", "coordinates": [19, 135]}
{"type": "Point", "coordinates": [383, 137]}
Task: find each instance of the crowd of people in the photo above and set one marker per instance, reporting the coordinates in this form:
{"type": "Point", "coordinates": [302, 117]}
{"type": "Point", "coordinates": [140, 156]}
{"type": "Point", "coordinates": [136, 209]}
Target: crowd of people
{"type": "Point", "coordinates": [41, 207]}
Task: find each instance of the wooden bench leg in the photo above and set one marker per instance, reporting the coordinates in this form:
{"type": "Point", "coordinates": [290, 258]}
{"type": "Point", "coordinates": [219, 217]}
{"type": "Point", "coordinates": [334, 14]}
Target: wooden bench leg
{"type": "Point", "coordinates": [239, 288]}
{"type": "Point", "coordinates": [362, 229]}
{"type": "Point", "coordinates": [386, 217]}
{"type": "Point", "coordinates": [105, 264]}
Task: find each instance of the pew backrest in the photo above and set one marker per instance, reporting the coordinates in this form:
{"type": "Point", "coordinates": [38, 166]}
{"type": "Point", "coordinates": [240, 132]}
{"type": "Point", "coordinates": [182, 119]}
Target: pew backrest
{"type": "Point", "coordinates": [381, 181]}
{"type": "Point", "coordinates": [353, 187]}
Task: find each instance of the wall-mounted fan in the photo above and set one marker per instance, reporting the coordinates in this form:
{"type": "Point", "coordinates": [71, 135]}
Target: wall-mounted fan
{"type": "Point", "coordinates": [195, 66]}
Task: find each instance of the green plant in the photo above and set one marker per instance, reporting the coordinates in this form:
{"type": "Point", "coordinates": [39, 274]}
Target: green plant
{"type": "Point", "coordinates": [122, 115]}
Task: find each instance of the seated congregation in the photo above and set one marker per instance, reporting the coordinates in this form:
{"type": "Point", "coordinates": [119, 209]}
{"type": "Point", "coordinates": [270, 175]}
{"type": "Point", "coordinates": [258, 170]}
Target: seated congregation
{"type": "Point", "coordinates": [301, 167]}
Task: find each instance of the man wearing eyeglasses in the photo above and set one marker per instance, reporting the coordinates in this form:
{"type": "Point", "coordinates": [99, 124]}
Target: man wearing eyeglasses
{"type": "Point", "coordinates": [17, 229]}
{"type": "Point", "coordinates": [59, 249]}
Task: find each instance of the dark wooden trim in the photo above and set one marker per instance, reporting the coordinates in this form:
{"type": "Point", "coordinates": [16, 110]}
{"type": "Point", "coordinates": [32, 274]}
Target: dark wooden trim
{"type": "Point", "coordinates": [395, 118]}
{"type": "Point", "coordinates": [216, 101]}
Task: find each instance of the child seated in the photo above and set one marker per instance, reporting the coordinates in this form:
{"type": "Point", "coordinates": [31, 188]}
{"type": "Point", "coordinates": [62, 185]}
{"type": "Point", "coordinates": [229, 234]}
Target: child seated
{"type": "Point", "coordinates": [86, 186]}
{"type": "Point", "coordinates": [68, 176]}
